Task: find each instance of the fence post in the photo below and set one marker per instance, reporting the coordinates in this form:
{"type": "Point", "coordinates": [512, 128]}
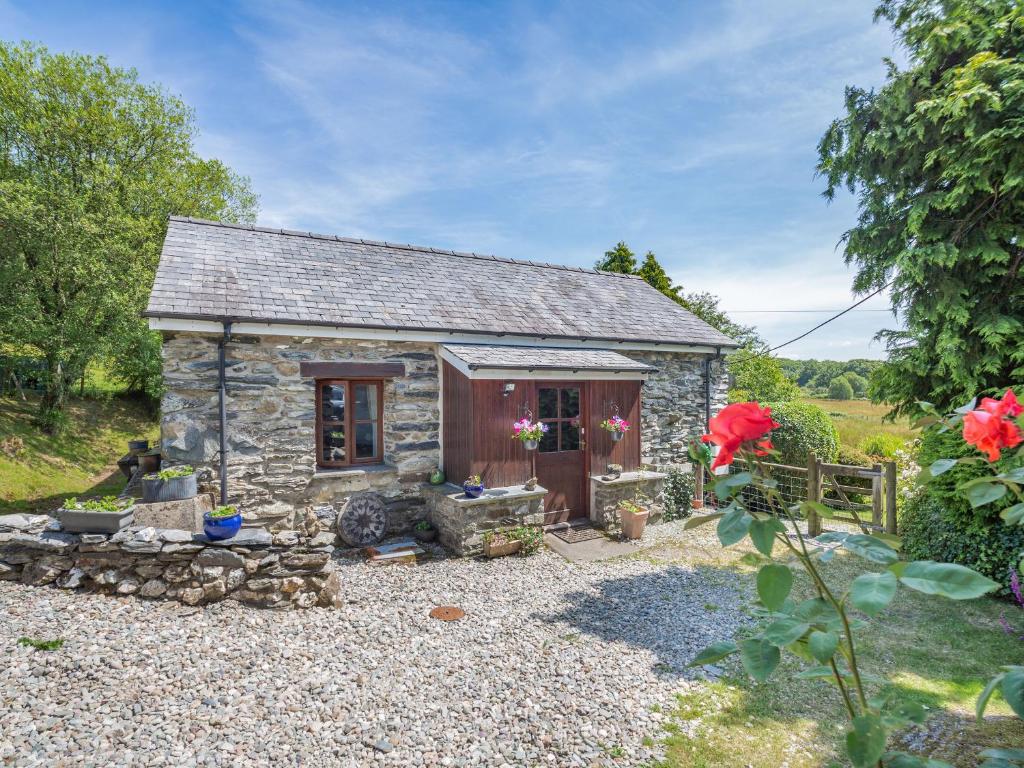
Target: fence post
{"type": "Point", "coordinates": [813, 494]}
{"type": "Point", "coordinates": [890, 497]}
{"type": "Point", "coordinates": [876, 496]}
{"type": "Point", "coordinates": [698, 482]}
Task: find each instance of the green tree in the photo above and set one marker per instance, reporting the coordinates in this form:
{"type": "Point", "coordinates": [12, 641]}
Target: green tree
{"type": "Point", "coordinates": [91, 164]}
{"type": "Point", "coordinates": [839, 389]}
{"type": "Point", "coordinates": [935, 160]}
{"type": "Point", "coordinates": [760, 378]}
{"type": "Point", "coordinates": [857, 382]}
{"type": "Point", "coordinates": [618, 259]}
{"type": "Point", "coordinates": [656, 276]}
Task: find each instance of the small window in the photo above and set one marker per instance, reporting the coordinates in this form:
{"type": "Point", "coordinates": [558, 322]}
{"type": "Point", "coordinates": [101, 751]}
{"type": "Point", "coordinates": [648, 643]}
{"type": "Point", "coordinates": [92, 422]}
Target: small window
{"type": "Point", "coordinates": [560, 410]}
{"type": "Point", "coordinates": [348, 422]}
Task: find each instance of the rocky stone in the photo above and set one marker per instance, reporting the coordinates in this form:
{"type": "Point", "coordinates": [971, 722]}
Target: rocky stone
{"type": "Point", "coordinates": [234, 578]}
{"type": "Point", "coordinates": [312, 561]}
{"type": "Point", "coordinates": [8, 572]}
{"type": "Point", "coordinates": [247, 537]}
{"type": "Point", "coordinates": [128, 586]}
{"type": "Point", "coordinates": [72, 579]}
{"type": "Point", "coordinates": [191, 596]}
{"type": "Point", "coordinates": [184, 515]}
{"type": "Point", "coordinates": [286, 538]}
{"type": "Point", "coordinates": [153, 588]}
{"type": "Point", "coordinates": [36, 574]}
{"type": "Point", "coordinates": [24, 523]}
{"type": "Point", "coordinates": [220, 557]}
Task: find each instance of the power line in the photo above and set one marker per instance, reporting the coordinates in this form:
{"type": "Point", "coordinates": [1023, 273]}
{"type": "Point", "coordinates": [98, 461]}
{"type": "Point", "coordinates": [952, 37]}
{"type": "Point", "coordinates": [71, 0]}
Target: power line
{"type": "Point", "coordinates": [819, 325]}
{"type": "Point", "coordinates": [789, 311]}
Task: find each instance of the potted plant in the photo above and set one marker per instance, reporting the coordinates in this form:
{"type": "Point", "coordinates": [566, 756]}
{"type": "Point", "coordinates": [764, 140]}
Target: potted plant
{"type": "Point", "coordinates": [530, 538]}
{"type": "Point", "coordinates": [529, 433]}
{"type": "Point", "coordinates": [437, 477]}
{"type": "Point", "coordinates": [149, 461]}
{"type": "Point", "coordinates": [423, 531]}
{"type": "Point", "coordinates": [616, 426]}
{"type": "Point", "coordinates": [634, 518]}
{"type": "Point", "coordinates": [500, 544]}
{"type": "Point", "coordinates": [172, 484]}
{"type": "Point", "coordinates": [473, 486]}
{"type": "Point", "coordinates": [107, 515]}
{"type": "Point", "coordinates": [222, 523]}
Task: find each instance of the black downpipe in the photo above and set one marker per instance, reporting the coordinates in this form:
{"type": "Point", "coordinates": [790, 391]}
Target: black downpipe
{"type": "Point", "coordinates": [707, 387]}
{"type": "Point", "coordinates": [221, 350]}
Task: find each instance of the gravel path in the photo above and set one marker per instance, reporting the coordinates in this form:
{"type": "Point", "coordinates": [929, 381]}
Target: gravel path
{"type": "Point", "coordinates": [554, 665]}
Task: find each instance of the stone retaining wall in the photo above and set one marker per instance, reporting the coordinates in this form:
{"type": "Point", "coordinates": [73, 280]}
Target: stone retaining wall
{"type": "Point", "coordinates": [283, 571]}
{"type": "Point", "coordinates": [461, 521]}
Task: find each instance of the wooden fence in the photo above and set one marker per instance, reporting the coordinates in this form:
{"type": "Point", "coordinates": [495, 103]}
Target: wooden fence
{"type": "Point", "coordinates": [863, 496]}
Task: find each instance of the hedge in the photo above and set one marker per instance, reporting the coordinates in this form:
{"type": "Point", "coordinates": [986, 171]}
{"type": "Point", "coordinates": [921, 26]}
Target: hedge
{"type": "Point", "coordinates": [804, 427]}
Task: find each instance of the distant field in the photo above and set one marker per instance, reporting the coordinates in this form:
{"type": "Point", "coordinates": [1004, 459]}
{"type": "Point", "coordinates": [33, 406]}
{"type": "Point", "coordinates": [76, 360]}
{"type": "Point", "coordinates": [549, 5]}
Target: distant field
{"type": "Point", "coordinates": [858, 419]}
{"type": "Point", "coordinates": [37, 472]}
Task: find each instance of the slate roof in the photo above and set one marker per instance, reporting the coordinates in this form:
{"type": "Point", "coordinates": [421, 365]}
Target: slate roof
{"type": "Point", "coordinates": [544, 358]}
{"type": "Point", "coordinates": [210, 270]}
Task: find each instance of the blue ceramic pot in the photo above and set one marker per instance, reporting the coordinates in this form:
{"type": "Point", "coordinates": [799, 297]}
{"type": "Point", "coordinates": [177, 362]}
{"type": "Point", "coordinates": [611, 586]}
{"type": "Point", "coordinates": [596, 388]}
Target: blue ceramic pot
{"type": "Point", "coordinates": [220, 528]}
{"type": "Point", "coordinates": [473, 491]}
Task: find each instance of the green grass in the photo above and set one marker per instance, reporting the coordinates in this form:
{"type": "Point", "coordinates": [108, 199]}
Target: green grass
{"type": "Point", "coordinates": [856, 420]}
{"type": "Point", "coordinates": [38, 471]}
{"type": "Point", "coordinates": [928, 649]}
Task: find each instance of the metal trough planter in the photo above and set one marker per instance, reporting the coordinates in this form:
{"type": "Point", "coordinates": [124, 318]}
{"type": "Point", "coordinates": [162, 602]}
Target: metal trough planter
{"type": "Point", "coordinates": [173, 489]}
{"type": "Point", "coordinates": [90, 521]}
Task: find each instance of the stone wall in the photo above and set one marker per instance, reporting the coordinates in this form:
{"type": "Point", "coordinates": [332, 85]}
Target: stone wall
{"type": "Point", "coordinates": [673, 405]}
{"type": "Point", "coordinates": [271, 423]}
{"type": "Point", "coordinates": [254, 567]}
{"type": "Point", "coordinates": [461, 521]}
{"type": "Point", "coordinates": [605, 496]}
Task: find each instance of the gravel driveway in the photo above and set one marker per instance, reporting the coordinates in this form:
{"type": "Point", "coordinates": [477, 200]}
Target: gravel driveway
{"type": "Point", "coordinates": [555, 664]}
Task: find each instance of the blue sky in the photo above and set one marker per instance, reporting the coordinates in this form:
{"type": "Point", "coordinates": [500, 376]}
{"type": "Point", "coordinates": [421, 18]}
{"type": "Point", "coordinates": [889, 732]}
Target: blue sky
{"type": "Point", "coordinates": [535, 130]}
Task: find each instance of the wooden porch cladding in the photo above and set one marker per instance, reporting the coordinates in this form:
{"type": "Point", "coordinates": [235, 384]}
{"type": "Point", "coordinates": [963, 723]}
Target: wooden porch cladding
{"type": "Point", "coordinates": [478, 417]}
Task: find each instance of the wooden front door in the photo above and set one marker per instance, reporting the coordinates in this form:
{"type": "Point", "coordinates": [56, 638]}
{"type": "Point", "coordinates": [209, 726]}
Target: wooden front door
{"type": "Point", "coordinates": [561, 456]}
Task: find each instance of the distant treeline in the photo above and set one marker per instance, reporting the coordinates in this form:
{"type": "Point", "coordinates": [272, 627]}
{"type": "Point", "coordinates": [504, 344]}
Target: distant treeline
{"type": "Point", "coordinates": [819, 374]}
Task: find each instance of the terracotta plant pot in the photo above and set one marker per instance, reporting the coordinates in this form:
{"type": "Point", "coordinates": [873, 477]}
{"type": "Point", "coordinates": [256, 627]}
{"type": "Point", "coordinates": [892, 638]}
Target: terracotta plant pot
{"type": "Point", "coordinates": [499, 549]}
{"type": "Point", "coordinates": [633, 523]}
{"type": "Point", "coordinates": [697, 503]}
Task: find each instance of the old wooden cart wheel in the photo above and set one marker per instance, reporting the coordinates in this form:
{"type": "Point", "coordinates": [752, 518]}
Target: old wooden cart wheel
{"type": "Point", "coordinates": [363, 520]}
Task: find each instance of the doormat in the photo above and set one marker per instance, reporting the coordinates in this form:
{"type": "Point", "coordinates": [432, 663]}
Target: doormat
{"type": "Point", "coordinates": [578, 533]}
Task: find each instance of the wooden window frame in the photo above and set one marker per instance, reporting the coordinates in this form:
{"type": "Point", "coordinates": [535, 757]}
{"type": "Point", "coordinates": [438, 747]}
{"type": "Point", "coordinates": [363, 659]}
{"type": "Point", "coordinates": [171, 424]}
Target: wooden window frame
{"type": "Point", "coordinates": [556, 422]}
{"type": "Point", "coordinates": [349, 424]}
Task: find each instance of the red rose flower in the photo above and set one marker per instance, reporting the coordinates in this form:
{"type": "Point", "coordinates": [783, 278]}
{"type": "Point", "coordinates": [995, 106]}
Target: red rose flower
{"type": "Point", "coordinates": [989, 428]}
{"type": "Point", "coordinates": [739, 425]}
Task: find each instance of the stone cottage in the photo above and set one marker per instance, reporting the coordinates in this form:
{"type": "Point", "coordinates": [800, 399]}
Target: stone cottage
{"type": "Point", "coordinates": [312, 370]}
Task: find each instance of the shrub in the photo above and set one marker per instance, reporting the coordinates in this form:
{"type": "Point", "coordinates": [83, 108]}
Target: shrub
{"type": "Point", "coordinates": [883, 445]}
{"type": "Point", "coordinates": [803, 427]}
{"type": "Point", "coordinates": [853, 457]}
{"type": "Point", "coordinates": [840, 389]}
{"type": "Point", "coordinates": [679, 489]}
{"type": "Point", "coordinates": [857, 382]}
{"type": "Point", "coordinates": [931, 531]}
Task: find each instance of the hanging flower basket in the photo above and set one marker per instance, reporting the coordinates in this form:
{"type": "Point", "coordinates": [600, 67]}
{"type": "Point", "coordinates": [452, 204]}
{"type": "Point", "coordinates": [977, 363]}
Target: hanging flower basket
{"type": "Point", "coordinates": [529, 433]}
{"type": "Point", "coordinates": [616, 426]}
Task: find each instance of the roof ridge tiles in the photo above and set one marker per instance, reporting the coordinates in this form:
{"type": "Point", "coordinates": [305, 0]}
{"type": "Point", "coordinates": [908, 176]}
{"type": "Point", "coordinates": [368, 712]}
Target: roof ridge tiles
{"type": "Point", "coordinates": [398, 246]}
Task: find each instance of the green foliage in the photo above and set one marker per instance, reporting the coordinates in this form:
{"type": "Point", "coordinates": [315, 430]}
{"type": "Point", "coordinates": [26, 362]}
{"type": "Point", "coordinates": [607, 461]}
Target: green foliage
{"type": "Point", "coordinates": [42, 645]}
{"type": "Point", "coordinates": [853, 457]}
{"type": "Point", "coordinates": [759, 378]}
{"type": "Point", "coordinates": [934, 159]}
{"type": "Point", "coordinates": [655, 275]}
{"type": "Point", "coordinates": [619, 259]}
{"type": "Point", "coordinates": [816, 374]}
{"type": "Point", "coordinates": [857, 382]}
{"type": "Point", "coordinates": [882, 445]}
{"type": "Point", "coordinates": [840, 389]}
{"type": "Point", "coordinates": [678, 494]}
{"type": "Point", "coordinates": [532, 537]}
{"type": "Point", "coordinates": [803, 427]}
{"type": "Point", "coordinates": [227, 510]}
{"type": "Point", "coordinates": [105, 504]}
{"type": "Point", "coordinates": [930, 530]}
{"type": "Point", "coordinates": [91, 164]}
{"type": "Point", "coordinates": [172, 472]}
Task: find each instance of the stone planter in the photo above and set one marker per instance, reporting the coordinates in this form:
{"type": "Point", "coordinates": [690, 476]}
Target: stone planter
{"type": "Point", "coordinates": [493, 549]}
{"type": "Point", "coordinates": [174, 489]}
{"type": "Point", "coordinates": [89, 521]}
{"type": "Point", "coordinates": [633, 523]}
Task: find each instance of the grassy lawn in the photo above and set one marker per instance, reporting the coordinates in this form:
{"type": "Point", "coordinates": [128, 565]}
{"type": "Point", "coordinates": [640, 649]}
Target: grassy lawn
{"type": "Point", "coordinates": [858, 419]}
{"type": "Point", "coordinates": [935, 651]}
{"type": "Point", "coordinates": [44, 470]}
